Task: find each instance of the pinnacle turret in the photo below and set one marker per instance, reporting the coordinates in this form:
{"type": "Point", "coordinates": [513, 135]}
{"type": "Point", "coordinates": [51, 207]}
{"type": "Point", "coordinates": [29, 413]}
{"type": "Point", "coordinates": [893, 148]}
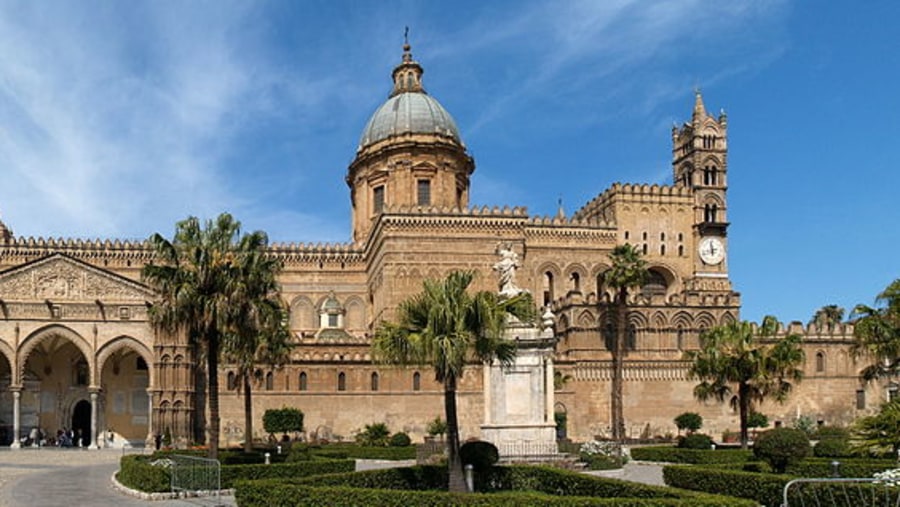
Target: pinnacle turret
{"type": "Point", "coordinates": [408, 75]}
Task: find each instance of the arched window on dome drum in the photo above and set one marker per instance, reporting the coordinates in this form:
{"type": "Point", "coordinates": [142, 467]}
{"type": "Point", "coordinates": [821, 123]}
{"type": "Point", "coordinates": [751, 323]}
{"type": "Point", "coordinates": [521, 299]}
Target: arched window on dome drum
{"type": "Point", "coordinates": [303, 381]}
{"type": "Point", "coordinates": [417, 381]}
{"type": "Point", "coordinates": [374, 381]}
{"type": "Point", "coordinates": [342, 381]}
{"type": "Point", "coordinates": [270, 381]}
{"type": "Point", "coordinates": [656, 283]}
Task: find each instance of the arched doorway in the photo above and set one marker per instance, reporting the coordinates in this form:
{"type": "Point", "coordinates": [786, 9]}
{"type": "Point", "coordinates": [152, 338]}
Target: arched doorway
{"type": "Point", "coordinates": [6, 409]}
{"type": "Point", "coordinates": [81, 423]}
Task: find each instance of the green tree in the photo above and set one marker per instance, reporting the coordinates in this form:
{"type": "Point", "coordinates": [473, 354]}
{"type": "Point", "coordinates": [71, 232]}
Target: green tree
{"type": "Point", "coordinates": [282, 420]}
{"type": "Point", "coordinates": [446, 327]}
{"type": "Point", "coordinates": [745, 365]}
{"type": "Point", "coordinates": [828, 317]}
{"type": "Point", "coordinates": [259, 333]}
{"type": "Point", "coordinates": [437, 427]}
{"type": "Point", "coordinates": [879, 431]}
{"type": "Point", "coordinates": [690, 421]}
{"type": "Point", "coordinates": [628, 271]}
{"type": "Point", "coordinates": [877, 333]}
{"type": "Point", "coordinates": [194, 276]}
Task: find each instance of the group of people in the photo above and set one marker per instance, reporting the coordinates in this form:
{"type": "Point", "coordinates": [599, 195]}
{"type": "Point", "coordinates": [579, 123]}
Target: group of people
{"type": "Point", "coordinates": [64, 438]}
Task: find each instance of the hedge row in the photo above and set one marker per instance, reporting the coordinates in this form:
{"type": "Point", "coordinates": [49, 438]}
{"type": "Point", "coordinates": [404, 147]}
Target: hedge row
{"type": "Point", "coordinates": [282, 494]}
{"type": "Point", "coordinates": [363, 452]}
{"type": "Point", "coordinates": [768, 489]}
{"type": "Point", "coordinates": [136, 472]}
{"type": "Point", "coordinates": [849, 467]}
{"type": "Point", "coordinates": [563, 486]}
{"type": "Point", "coordinates": [690, 456]}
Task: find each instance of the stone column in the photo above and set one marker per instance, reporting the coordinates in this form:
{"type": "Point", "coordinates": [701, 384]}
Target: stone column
{"type": "Point", "coordinates": [150, 442]}
{"type": "Point", "coordinates": [93, 442]}
{"type": "Point", "coordinates": [551, 401]}
{"type": "Point", "coordinates": [17, 394]}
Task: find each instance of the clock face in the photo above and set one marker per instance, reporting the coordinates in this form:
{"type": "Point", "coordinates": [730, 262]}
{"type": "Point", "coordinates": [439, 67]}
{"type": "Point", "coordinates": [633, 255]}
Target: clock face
{"type": "Point", "coordinates": [712, 251]}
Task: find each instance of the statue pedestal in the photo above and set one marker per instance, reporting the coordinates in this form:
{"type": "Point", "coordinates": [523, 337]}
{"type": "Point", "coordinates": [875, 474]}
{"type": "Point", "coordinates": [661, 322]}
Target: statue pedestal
{"type": "Point", "coordinates": [518, 407]}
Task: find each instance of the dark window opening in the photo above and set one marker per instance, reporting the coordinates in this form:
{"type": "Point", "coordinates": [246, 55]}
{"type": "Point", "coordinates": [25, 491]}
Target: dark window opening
{"type": "Point", "coordinates": [374, 381]}
{"type": "Point", "coordinates": [270, 381]}
{"type": "Point", "coordinates": [417, 381]}
{"type": "Point", "coordinates": [378, 199]}
{"type": "Point", "coordinates": [82, 374]}
{"type": "Point", "coordinates": [656, 283]}
{"type": "Point", "coordinates": [820, 362]}
{"type": "Point", "coordinates": [424, 192]}
{"type": "Point", "coordinates": [860, 399]}
{"type": "Point", "coordinates": [342, 381]}
{"type": "Point", "coordinates": [303, 381]}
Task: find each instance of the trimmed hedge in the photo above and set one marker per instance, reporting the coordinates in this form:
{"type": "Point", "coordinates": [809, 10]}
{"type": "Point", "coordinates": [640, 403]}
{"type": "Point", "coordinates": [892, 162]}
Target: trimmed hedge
{"type": "Point", "coordinates": [363, 452]}
{"type": "Point", "coordinates": [765, 489]}
{"type": "Point", "coordinates": [233, 473]}
{"type": "Point", "coordinates": [382, 487]}
{"type": "Point", "coordinates": [768, 489]}
{"type": "Point", "coordinates": [854, 468]}
{"type": "Point", "coordinates": [690, 456]}
{"type": "Point", "coordinates": [281, 494]}
{"type": "Point", "coordinates": [136, 472]}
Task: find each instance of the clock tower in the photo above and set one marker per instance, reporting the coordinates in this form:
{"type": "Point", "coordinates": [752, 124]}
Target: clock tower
{"type": "Point", "coordinates": [699, 162]}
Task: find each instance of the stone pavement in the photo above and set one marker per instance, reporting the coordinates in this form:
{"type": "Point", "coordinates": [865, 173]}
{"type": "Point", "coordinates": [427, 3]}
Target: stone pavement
{"type": "Point", "coordinates": [635, 471]}
{"type": "Point", "coordinates": [52, 477]}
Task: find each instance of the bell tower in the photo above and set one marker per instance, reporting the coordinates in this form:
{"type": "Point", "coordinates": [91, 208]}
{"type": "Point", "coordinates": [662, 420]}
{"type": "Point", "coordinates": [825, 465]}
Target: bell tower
{"type": "Point", "coordinates": [700, 163]}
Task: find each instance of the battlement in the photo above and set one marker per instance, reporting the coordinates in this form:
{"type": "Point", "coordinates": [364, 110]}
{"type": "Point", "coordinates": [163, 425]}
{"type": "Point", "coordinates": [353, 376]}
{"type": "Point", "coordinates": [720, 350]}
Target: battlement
{"type": "Point", "coordinates": [652, 194]}
{"type": "Point", "coordinates": [842, 331]}
{"type": "Point", "coordinates": [505, 211]}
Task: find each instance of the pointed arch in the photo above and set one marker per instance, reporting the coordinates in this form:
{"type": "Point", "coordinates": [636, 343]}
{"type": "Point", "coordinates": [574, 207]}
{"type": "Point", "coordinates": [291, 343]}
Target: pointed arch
{"type": "Point", "coordinates": [575, 276]}
{"type": "Point", "coordinates": [49, 331]}
{"type": "Point", "coordinates": [586, 319]}
{"type": "Point", "coordinates": [303, 314]}
{"type": "Point", "coordinates": [355, 313]}
{"type": "Point", "coordinates": [727, 318]}
{"type": "Point", "coordinates": [126, 342]}
{"type": "Point", "coordinates": [705, 321]}
{"type": "Point", "coordinates": [638, 320]}
{"type": "Point", "coordinates": [683, 319]}
{"type": "Point", "coordinates": [659, 321]}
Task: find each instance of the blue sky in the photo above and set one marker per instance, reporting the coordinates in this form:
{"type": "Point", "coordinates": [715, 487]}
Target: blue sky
{"type": "Point", "coordinates": [119, 118]}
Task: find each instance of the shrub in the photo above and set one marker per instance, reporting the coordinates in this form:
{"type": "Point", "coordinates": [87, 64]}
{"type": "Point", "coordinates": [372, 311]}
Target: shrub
{"type": "Point", "coordinates": [138, 472]}
{"type": "Point", "coordinates": [233, 473]}
{"type": "Point", "coordinates": [374, 435]}
{"type": "Point", "coordinates": [695, 441]}
{"type": "Point", "coordinates": [509, 486]}
{"type": "Point", "coordinates": [283, 420]}
{"type": "Point", "coordinates": [400, 440]}
{"type": "Point", "coordinates": [757, 420]}
{"type": "Point", "coordinates": [805, 424]}
{"type": "Point", "coordinates": [480, 454]}
{"type": "Point", "coordinates": [600, 455]}
{"type": "Point", "coordinates": [780, 447]}
{"type": "Point", "coordinates": [690, 421]}
{"type": "Point", "coordinates": [832, 433]}
{"type": "Point", "coordinates": [832, 448]}
{"type": "Point", "coordinates": [437, 427]}
{"type": "Point", "coordinates": [690, 456]}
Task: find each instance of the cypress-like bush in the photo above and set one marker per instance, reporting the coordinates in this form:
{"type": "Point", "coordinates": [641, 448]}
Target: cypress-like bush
{"type": "Point", "coordinates": [781, 447]}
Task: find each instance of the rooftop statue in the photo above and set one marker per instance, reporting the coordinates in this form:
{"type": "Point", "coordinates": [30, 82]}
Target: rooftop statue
{"type": "Point", "coordinates": [506, 268]}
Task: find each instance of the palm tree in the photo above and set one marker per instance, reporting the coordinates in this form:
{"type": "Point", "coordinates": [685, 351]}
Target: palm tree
{"type": "Point", "coordinates": [828, 317]}
{"type": "Point", "coordinates": [194, 276]}
{"type": "Point", "coordinates": [751, 360]}
{"type": "Point", "coordinates": [628, 270]}
{"type": "Point", "coordinates": [445, 327]}
{"type": "Point", "coordinates": [877, 333]}
{"type": "Point", "coordinates": [258, 333]}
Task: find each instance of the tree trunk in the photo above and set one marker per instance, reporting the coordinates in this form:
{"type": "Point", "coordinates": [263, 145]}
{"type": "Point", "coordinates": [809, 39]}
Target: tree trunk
{"type": "Point", "coordinates": [457, 481]}
{"type": "Point", "coordinates": [744, 411]}
{"type": "Point", "coordinates": [212, 361]}
{"type": "Point", "coordinates": [248, 414]}
{"type": "Point", "coordinates": [618, 353]}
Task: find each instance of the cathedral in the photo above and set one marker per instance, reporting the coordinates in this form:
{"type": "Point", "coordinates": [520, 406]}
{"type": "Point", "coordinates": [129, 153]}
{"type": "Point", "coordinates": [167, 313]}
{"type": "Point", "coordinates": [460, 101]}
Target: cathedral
{"type": "Point", "coordinates": [77, 352]}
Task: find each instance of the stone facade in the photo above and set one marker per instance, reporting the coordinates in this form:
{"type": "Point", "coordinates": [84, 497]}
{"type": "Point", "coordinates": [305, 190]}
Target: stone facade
{"type": "Point", "coordinates": [74, 313]}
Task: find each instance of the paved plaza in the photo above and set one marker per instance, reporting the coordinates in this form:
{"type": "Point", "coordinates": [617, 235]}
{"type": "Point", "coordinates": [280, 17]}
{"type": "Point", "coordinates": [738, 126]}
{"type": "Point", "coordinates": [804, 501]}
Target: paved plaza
{"type": "Point", "coordinates": [77, 477]}
{"type": "Point", "coordinates": [54, 477]}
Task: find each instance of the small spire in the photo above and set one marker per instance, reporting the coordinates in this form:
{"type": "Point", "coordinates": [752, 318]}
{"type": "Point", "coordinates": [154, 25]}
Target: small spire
{"type": "Point", "coordinates": [699, 108]}
{"type": "Point", "coordinates": [560, 212]}
{"type": "Point", "coordinates": [407, 75]}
